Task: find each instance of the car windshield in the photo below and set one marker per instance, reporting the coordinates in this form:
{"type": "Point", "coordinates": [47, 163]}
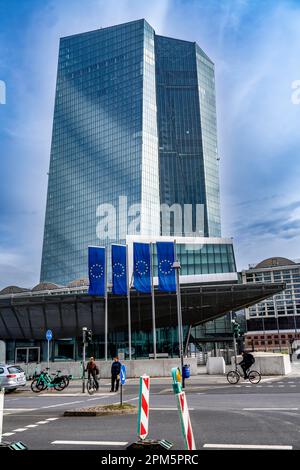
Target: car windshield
{"type": "Point", "coordinates": [14, 370]}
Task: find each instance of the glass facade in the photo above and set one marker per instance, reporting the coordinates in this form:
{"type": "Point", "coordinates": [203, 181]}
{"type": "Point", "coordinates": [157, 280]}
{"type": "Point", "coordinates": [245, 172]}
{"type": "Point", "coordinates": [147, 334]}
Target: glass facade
{"type": "Point", "coordinates": [129, 121]}
{"type": "Point", "coordinates": [202, 259]}
{"type": "Point", "coordinates": [186, 114]}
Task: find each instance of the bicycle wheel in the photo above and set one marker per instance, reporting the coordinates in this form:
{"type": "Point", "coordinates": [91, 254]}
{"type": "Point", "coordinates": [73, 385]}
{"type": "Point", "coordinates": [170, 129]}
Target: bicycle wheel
{"type": "Point", "coordinates": [66, 380]}
{"type": "Point", "coordinates": [233, 377]}
{"type": "Point", "coordinates": [254, 377]}
{"type": "Point", "coordinates": [35, 386]}
{"type": "Point", "coordinates": [60, 385]}
{"type": "Point", "coordinates": [91, 387]}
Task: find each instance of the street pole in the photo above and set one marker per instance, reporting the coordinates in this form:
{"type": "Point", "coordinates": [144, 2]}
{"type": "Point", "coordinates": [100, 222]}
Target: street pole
{"type": "Point", "coordinates": [177, 267]}
{"type": "Point", "coordinates": [1, 411]}
{"type": "Point", "coordinates": [84, 330]}
{"type": "Point", "coordinates": [48, 361]}
{"type": "Point", "coordinates": [106, 310]}
{"type": "Point", "coordinates": [128, 304]}
{"type": "Point", "coordinates": [153, 304]}
{"type": "Point", "coordinates": [234, 348]}
{"type": "Point", "coordinates": [234, 339]}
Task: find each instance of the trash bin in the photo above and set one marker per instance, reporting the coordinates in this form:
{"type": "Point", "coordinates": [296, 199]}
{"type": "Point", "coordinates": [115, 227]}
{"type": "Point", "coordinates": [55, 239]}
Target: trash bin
{"type": "Point", "coordinates": [186, 372]}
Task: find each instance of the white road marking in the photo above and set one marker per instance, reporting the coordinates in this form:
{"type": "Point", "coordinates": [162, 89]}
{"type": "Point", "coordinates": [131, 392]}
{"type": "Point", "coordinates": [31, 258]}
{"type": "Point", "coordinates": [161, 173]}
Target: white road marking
{"type": "Point", "coordinates": [51, 419]}
{"type": "Point", "coordinates": [270, 409]}
{"type": "Point", "coordinates": [131, 399]}
{"type": "Point", "coordinates": [68, 395]}
{"type": "Point", "coordinates": [63, 404]}
{"type": "Point", "coordinates": [42, 422]}
{"type": "Point", "coordinates": [293, 385]}
{"type": "Point", "coordinates": [97, 398]}
{"type": "Point", "coordinates": [247, 446]}
{"type": "Point", "coordinates": [19, 430]}
{"type": "Point", "coordinates": [163, 409]}
{"type": "Point", "coordinates": [7, 434]}
{"type": "Point", "coordinates": [15, 410]}
{"type": "Point", "coordinates": [32, 426]}
{"type": "Point", "coordinates": [270, 386]}
{"type": "Point", "coordinates": [90, 443]}
{"type": "Point", "coordinates": [62, 395]}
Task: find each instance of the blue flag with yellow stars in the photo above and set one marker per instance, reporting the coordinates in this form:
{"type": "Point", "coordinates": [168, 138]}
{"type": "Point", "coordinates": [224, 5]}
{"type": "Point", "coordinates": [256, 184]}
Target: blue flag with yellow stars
{"type": "Point", "coordinates": [142, 267]}
{"type": "Point", "coordinates": [97, 270]}
{"type": "Point", "coordinates": [166, 272]}
{"type": "Point", "coordinates": [119, 269]}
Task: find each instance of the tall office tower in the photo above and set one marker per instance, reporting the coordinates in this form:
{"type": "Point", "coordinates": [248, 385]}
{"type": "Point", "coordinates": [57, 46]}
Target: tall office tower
{"type": "Point", "coordinates": [187, 130]}
{"type": "Point", "coordinates": [134, 126]}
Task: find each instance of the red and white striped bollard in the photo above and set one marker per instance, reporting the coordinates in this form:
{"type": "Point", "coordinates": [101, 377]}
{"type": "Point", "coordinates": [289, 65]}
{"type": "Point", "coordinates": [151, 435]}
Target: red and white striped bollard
{"type": "Point", "coordinates": [143, 416]}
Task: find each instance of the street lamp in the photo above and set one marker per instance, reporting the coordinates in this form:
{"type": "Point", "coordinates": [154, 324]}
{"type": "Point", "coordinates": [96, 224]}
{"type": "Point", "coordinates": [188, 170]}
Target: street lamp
{"type": "Point", "coordinates": [177, 267]}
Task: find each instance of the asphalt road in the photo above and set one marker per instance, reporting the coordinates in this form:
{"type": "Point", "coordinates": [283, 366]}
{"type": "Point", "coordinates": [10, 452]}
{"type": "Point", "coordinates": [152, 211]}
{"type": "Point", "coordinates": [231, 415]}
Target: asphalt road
{"type": "Point", "coordinates": [222, 415]}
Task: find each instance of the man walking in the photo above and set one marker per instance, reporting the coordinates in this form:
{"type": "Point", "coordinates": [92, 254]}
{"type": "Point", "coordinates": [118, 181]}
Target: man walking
{"type": "Point", "coordinates": [115, 374]}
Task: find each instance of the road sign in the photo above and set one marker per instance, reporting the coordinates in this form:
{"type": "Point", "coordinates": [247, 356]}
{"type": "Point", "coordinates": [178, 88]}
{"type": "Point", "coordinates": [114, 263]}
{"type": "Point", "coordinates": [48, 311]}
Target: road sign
{"type": "Point", "coordinates": [49, 335]}
{"type": "Point", "coordinates": [123, 375]}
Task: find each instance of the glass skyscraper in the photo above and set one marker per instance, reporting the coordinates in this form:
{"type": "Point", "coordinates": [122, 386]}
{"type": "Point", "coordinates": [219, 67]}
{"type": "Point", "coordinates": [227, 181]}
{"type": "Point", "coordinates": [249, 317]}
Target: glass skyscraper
{"type": "Point", "coordinates": [134, 127]}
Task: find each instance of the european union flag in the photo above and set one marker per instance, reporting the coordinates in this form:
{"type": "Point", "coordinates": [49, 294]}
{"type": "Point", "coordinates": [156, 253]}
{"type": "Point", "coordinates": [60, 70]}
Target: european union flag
{"type": "Point", "coordinates": [97, 270]}
{"type": "Point", "coordinates": [142, 267]}
{"type": "Point", "coordinates": [119, 269]}
{"type": "Point", "coordinates": [166, 272]}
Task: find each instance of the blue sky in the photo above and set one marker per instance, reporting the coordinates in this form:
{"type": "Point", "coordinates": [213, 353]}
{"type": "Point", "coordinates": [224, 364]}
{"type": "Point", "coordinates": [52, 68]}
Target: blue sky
{"type": "Point", "coordinates": [255, 45]}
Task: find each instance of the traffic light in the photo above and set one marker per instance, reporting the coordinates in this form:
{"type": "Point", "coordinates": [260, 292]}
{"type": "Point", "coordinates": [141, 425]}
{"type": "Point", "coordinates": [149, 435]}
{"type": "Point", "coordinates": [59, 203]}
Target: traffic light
{"type": "Point", "coordinates": [89, 336]}
{"type": "Point", "coordinates": [236, 329]}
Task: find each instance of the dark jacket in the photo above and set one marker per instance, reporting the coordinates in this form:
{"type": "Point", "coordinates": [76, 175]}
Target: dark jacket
{"type": "Point", "coordinates": [115, 368]}
{"type": "Point", "coordinates": [92, 367]}
{"type": "Point", "coordinates": [247, 360]}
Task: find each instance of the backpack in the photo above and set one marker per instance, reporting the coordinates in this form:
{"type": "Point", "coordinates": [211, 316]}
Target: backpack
{"type": "Point", "coordinates": [251, 359]}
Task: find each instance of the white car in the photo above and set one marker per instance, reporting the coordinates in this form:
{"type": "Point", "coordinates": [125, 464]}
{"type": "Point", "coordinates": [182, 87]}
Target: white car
{"type": "Point", "coordinates": [11, 377]}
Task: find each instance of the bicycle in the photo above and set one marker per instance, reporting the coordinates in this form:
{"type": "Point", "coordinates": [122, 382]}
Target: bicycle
{"type": "Point", "coordinates": [45, 381]}
{"type": "Point", "coordinates": [234, 376]}
{"type": "Point", "coordinates": [91, 385]}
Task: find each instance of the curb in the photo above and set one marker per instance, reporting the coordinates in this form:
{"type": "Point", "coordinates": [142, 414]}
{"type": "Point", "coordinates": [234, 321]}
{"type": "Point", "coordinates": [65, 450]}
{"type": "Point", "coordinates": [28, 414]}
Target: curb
{"type": "Point", "coordinates": [132, 411]}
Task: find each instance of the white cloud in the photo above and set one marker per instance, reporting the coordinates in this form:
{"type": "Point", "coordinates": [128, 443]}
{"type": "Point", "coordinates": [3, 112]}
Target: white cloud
{"type": "Point", "coordinates": [256, 62]}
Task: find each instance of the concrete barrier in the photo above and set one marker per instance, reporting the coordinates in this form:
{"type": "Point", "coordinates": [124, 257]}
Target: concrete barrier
{"type": "Point", "coordinates": [269, 363]}
{"type": "Point", "coordinates": [134, 368]}
{"type": "Point", "coordinates": [215, 365]}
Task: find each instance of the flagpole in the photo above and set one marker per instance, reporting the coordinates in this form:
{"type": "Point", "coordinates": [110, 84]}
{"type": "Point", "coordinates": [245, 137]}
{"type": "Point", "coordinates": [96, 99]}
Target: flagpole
{"type": "Point", "coordinates": [106, 308]}
{"type": "Point", "coordinates": [177, 267]}
{"type": "Point", "coordinates": [128, 304]}
{"type": "Point", "coordinates": [153, 303]}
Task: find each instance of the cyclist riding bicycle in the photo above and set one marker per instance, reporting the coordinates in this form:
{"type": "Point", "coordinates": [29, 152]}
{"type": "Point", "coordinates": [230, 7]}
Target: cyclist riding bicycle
{"type": "Point", "coordinates": [246, 363]}
{"type": "Point", "coordinates": [93, 371]}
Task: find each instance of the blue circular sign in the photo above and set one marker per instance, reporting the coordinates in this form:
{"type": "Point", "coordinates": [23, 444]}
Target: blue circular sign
{"type": "Point", "coordinates": [123, 375]}
{"type": "Point", "coordinates": [49, 335]}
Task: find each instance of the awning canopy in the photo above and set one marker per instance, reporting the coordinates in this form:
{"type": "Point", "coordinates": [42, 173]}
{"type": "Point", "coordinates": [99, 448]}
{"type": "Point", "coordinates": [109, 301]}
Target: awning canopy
{"type": "Point", "coordinates": [26, 316]}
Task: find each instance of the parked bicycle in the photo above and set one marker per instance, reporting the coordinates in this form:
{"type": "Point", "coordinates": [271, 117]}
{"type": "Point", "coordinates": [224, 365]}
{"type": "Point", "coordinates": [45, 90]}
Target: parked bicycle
{"type": "Point", "coordinates": [44, 381]}
{"type": "Point", "coordinates": [234, 376]}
